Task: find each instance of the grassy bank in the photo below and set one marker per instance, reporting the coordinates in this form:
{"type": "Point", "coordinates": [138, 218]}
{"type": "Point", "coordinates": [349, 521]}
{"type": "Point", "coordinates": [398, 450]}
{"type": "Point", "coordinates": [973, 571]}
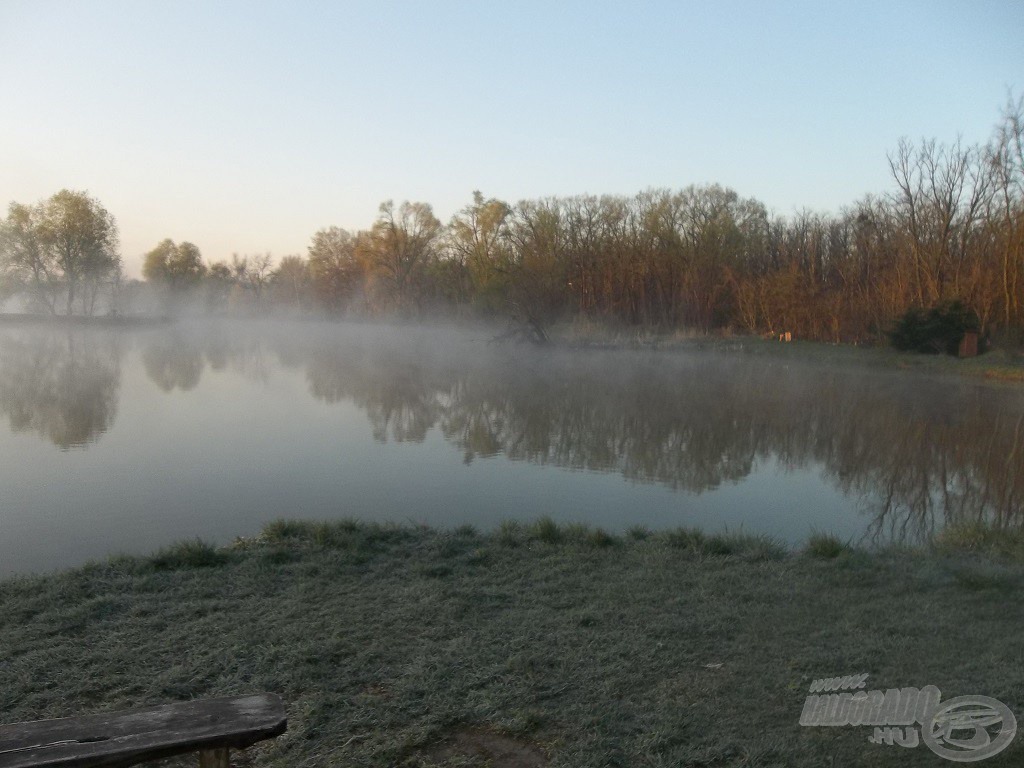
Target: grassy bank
{"type": "Point", "coordinates": [533, 645]}
{"type": "Point", "coordinates": [1004, 362]}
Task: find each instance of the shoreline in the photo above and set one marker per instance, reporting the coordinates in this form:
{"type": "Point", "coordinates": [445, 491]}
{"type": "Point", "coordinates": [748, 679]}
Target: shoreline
{"type": "Point", "coordinates": [412, 646]}
{"type": "Point", "coordinates": [978, 542]}
{"type": "Point", "coordinates": [1002, 363]}
{"type": "Point", "coordinates": [115, 321]}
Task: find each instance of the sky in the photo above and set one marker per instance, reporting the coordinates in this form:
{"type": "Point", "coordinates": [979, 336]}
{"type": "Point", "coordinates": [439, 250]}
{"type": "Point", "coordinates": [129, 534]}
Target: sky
{"type": "Point", "coordinates": [245, 127]}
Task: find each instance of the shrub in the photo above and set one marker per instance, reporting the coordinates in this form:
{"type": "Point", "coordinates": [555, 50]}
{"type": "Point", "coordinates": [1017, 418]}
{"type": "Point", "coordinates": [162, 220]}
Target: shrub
{"type": "Point", "coordinates": [938, 329]}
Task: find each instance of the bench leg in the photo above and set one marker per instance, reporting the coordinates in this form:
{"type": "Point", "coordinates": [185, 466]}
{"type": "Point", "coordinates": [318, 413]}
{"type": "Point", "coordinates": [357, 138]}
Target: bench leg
{"type": "Point", "coordinates": [214, 758]}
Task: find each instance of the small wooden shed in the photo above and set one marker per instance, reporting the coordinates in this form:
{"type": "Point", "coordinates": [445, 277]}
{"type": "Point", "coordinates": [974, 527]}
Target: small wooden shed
{"type": "Point", "coordinates": [968, 345]}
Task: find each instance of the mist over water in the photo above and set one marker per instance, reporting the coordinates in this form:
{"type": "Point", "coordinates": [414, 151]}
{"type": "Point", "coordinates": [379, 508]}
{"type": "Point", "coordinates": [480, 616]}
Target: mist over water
{"type": "Point", "coordinates": [118, 440]}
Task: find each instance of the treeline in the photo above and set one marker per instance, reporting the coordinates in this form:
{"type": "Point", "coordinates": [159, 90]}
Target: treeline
{"type": "Point", "coordinates": [952, 228]}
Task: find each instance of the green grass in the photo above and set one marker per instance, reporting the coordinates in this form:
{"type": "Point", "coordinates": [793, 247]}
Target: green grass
{"type": "Point", "coordinates": [546, 530]}
{"type": "Point", "coordinates": [364, 538]}
{"type": "Point", "coordinates": [690, 539]}
{"type": "Point", "coordinates": [826, 546]}
{"type": "Point", "coordinates": [726, 544]}
{"type": "Point", "coordinates": [979, 539]}
{"type": "Point", "coordinates": [188, 554]}
{"type": "Point", "coordinates": [601, 538]}
{"type": "Point", "coordinates": [638, 532]}
{"type": "Point", "coordinates": [568, 645]}
{"type": "Point", "coordinates": [981, 576]}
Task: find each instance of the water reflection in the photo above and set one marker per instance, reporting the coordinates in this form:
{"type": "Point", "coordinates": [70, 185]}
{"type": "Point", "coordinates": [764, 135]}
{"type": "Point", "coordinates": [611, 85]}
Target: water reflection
{"type": "Point", "coordinates": [245, 354]}
{"type": "Point", "coordinates": [916, 452]}
{"type": "Point", "coordinates": [400, 391]}
{"type": "Point", "coordinates": [61, 384]}
{"type": "Point", "coordinates": [174, 361]}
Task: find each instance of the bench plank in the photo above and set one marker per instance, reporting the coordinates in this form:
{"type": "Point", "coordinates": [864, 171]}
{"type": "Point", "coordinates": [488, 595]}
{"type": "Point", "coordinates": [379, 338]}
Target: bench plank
{"type": "Point", "coordinates": [113, 739]}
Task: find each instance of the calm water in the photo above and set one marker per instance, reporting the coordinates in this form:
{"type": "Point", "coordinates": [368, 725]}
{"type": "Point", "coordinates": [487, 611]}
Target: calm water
{"type": "Point", "coordinates": [126, 440]}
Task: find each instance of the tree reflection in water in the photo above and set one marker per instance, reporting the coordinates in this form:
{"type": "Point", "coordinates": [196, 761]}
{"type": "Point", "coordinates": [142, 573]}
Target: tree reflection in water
{"type": "Point", "coordinates": [61, 384]}
{"type": "Point", "coordinates": [176, 359]}
{"type": "Point", "coordinates": [918, 452]}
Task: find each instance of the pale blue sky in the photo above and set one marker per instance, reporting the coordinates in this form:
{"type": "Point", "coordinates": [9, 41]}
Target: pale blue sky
{"type": "Point", "coordinates": [248, 126]}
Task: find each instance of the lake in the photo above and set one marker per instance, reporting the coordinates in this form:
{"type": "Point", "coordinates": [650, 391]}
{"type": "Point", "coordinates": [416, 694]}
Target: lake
{"type": "Point", "coordinates": [125, 440]}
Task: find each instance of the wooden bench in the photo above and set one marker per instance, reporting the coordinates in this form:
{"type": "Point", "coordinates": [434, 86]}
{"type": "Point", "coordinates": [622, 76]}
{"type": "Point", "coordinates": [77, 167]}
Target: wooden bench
{"type": "Point", "coordinates": [211, 727]}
